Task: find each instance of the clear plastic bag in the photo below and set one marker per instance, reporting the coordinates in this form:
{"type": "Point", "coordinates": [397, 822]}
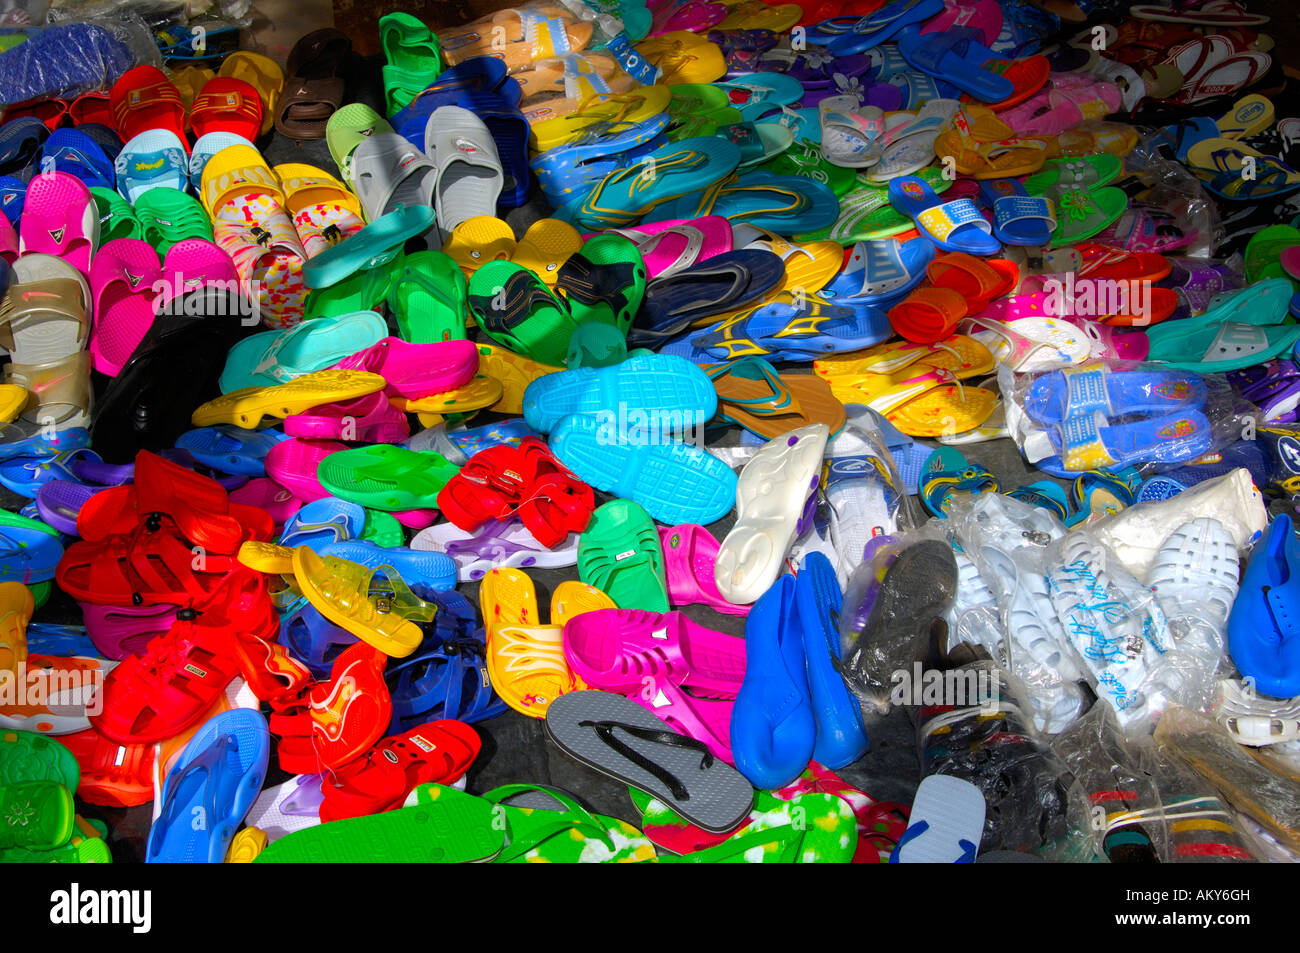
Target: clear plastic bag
{"type": "Point", "coordinates": [1033, 802]}
{"type": "Point", "coordinates": [65, 60]}
{"type": "Point", "coordinates": [1176, 190]}
{"type": "Point", "coordinates": [1108, 414]}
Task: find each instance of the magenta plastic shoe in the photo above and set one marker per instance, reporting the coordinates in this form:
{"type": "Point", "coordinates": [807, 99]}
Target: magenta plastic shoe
{"type": "Point", "coordinates": [121, 631]}
{"type": "Point", "coordinates": [690, 553]}
{"type": "Point", "coordinates": [292, 464]}
{"type": "Point", "coordinates": [265, 493]}
{"type": "Point", "coordinates": [369, 419]}
{"type": "Point", "coordinates": [417, 370]}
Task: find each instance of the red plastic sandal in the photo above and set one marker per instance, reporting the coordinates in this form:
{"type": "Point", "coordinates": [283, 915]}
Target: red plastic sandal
{"type": "Point", "coordinates": [112, 774]}
{"type": "Point", "coordinates": [440, 752]}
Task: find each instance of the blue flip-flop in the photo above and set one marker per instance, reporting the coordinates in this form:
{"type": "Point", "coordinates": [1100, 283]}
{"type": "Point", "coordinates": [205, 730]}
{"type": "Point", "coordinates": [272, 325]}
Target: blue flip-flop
{"type": "Point", "coordinates": [788, 331]}
{"type": "Point", "coordinates": [29, 549]}
{"type": "Point", "coordinates": [1173, 438]}
{"type": "Point", "coordinates": [418, 568]}
{"type": "Point", "coordinates": [313, 639]}
{"type": "Point", "coordinates": [1046, 495]}
{"type": "Point", "coordinates": [571, 171]}
{"type": "Point", "coordinates": [881, 271]}
{"type": "Point", "coordinates": [43, 444]}
{"type": "Point", "coordinates": [784, 204]}
{"type": "Point", "coordinates": [477, 73]}
{"type": "Point", "coordinates": [649, 387]}
{"type": "Point", "coordinates": [1018, 217]}
{"type": "Point", "coordinates": [677, 169]}
{"type": "Point", "coordinates": [231, 449]}
{"type": "Point", "coordinates": [62, 641]}
{"type": "Point", "coordinates": [764, 93]}
{"type": "Point", "coordinates": [77, 154]}
{"type": "Point", "coordinates": [952, 226]}
{"type": "Point", "coordinates": [773, 728]}
{"type": "Point", "coordinates": [1262, 626]}
{"type": "Point", "coordinates": [956, 55]}
{"type": "Point", "coordinates": [25, 475]}
{"type": "Point", "coordinates": [323, 522]}
{"type": "Point", "coordinates": [216, 778]}
{"type": "Point", "coordinates": [156, 158]}
{"type": "Point", "coordinates": [875, 28]}
{"type": "Point", "coordinates": [841, 735]}
{"type": "Point", "coordinates": [377, 244]}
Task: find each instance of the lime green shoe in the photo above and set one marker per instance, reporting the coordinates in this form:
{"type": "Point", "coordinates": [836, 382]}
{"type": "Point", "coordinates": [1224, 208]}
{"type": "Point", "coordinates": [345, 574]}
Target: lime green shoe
{"type": "Point", "coordinates": [168, 216]}
{"type": "Point", "coordinates": [517, 310]}
{"type": "Point", "coordinates": [620, 554]}
{"type": "Point", "coordinates": [604, 282]}
{"type": "Point", "coordinates": [36, 815]}
{"type": "Point", "coordinates": [386, 477]}
{"type": "Point", "coordinates": [116, 217]}
{"type": "Point", "coordinates": [382, 529]}
{"type": "Point", "coordinates": [427, 296]}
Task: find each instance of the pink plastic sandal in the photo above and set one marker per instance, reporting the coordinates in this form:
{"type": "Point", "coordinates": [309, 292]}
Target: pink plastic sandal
{"type": "Point", "coordinates": [369, 419]}
{"type": "Point", "coordinates": [673, 246]}
{"type": "Point", "coordinates": [60, 218]}
{"type": "Point", "coordinates": [690, 553]}
{"type": "Point", "coordinates": [266, 494]}
{"type": "Point", "coordinates": [618, 649]}
{"type": "Point", "coordinates": [417, 370]}
{"type": "Point", "coordinates": [292, 464]}
{"type": "Point", "coordinates": [122, 280]}
{"type": "Point", "coordinates": [119, 631]}
{"type": "Point", "coordinates": [983, 15]}
{"type": "Point", "coordinates": [1146, 229]}
{"type": "Point", "coordinates": [192, 263]}
{"type": "Point", "coordinates": [1052, 112]}
{"type": "Point", "coordinates": [8, 242]}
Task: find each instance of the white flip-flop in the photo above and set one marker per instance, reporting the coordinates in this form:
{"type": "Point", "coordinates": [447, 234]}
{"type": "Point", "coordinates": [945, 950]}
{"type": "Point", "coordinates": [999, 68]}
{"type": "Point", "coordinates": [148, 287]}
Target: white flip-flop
{"type": "Point", "coordinates": [946, 824]}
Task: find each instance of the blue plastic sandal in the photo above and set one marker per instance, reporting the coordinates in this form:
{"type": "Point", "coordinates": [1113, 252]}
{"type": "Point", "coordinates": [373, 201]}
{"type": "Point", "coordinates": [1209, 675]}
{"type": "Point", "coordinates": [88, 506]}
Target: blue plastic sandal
{"type": "Point", "coordinates": [953, 226]}
{"type": "Point", "coordinates": [841, 736]}
{"type": "Point", "coordinates": [324, 522]}
{"type": "Point", "coordinates": [231, 449]}
{"type": "Point", "coordinates": [1265, 618]}
{"type": "Point", "coordinates": [418, 568]}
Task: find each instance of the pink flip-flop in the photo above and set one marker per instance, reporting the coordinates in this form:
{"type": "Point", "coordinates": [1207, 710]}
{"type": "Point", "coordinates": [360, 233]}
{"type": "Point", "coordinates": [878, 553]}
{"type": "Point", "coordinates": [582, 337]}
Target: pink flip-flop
{"type": "Point", "coordinates": [8, 242]}
{"type": "Point", "coordinates": [690, 554]}
{"type": "Point", "coordinates": [618, 649]}
{"type": "Point", "coordinates": [1146, 229]}
{"type": "Point", "coordinates": [693, 15]}
{"type": "Point", "coordinates": [124, 279]}
{"type": "Point", "coordinates": [983, 15]}
{"type": "Point", "coordinates": [369, 419]}
{"type": "Point", "coordinates": [674, 245]}
{"type": "Point", "coordinates": [417, 370]}
{"type": "Point", "coordinates": [1052, 112]}
{"type": "Point", "coordinates": [266, 494]}
{"type": "Point", "coordinates": [119, 631]}
{"type": "Point", "coordinates": [60, 218]}
{"type": "Point", "coordinates": [192, 263]}
{"type": "Point", "coordinates": [292, 464]}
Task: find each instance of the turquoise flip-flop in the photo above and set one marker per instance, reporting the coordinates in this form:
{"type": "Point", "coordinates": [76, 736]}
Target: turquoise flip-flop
{"type": "Point", "coordinates": [377, 244]}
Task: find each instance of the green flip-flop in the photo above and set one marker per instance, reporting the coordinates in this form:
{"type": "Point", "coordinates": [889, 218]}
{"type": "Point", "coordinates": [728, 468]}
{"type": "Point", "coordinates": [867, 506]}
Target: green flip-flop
{"type": "Point", "coordinates": [27, 756]}
{"type": "Point", "coordinates": [116, 217]}
{"type": "Point", "coordinates": [604, 282]}
{"type": "Point", "coordinates": [543, 825]}
{"type": "Point", "coordinates": [517, 310]}
{"type": "Point", "coordinates": [438, 825]}
{"type": "Point", "coordinates": [386, 477]}
{"type": "Point", "coordinates": [804, 159]}
{"type": "Point", "coordinates": [428, 298]}
{"type": "Point", "coordinates": [808, 829]}
{"type": "Point", "coordinates": [866, 212]}
{"type": "Point", "coordinates": [1083, 212]}
{"type": "Point", "coordinates": [1090, 172]}
{"type": "Point", "coordinates": [620, 554]}
{"type": "Point", "coordinates": [168, 216]}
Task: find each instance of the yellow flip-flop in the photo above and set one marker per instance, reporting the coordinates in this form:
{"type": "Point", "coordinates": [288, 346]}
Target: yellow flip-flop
{"type": "Point", "coordinates": [13, 398]}
{"type": "Point", "coordinates": [263, 74]}
{"type": "Point", "coordinates": [959, 358]}
{"type": "Point", "coordinates": [306, 185]}
{"type": "Point", "coordinates": [547, 245]}
{"type": "Point", "coordinates": [947, 410]}
{"type": "Point", "coordinates": [247, 406]}
{"type": "Point", "coordinates": [683, 57]}
{"type": "Point", "coordinates": [507, 596]}
{"type": "Point", "coordinates": [514, 372]}
{"type": "Point", "coordinates": [757, 15]}
{"type": "Point", "coordinates": [883, 358]}
{"type": "Point", "coordinates": [482, 391]}
{"type": "Point", "coordinates": [636, 106]}
{"type": "Point", "coordinates": [478, 240]}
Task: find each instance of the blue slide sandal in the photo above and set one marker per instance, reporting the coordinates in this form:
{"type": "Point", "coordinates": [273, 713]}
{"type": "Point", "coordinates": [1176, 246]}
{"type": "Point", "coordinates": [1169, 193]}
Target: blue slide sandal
{"type": "Point", "coordinates": [231, 449]}
{"type": "Point", "coordinates": [663, 390]}
{"type": "Point", "coordinates": [1080, 443]}
{"type": "Point", "coordinates": [956, 55]}
{"type": "Point", "coordinates": [876, 28]}
{"type": "Point", "coordinates": [1018, 217]}
{"type": "Point", "coordinates": [418, 568]}
{"type": "Point", "coordinates": [1265, 617]}
{"type": "Point", "coordinates": [29, 549]}
{"type": "Point", "coordinates": [674, 482]}
{"type": "Point", "coordinates": [323, 522]}
{"type": "Point", "coordinates": [773, 729]}
{"type": "Point", "coordinates": [841, 736]}
{"type": "Point", "coordinates": [313, 639]}
{"type": "Point", "coordinates": [881, 271]}
{"type": "Point", "coordinates": [1055, 397]}
{"type": "Point", "coordinates": [215, 780]}
{"type": "Point", "coordinates": [953, 226]}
